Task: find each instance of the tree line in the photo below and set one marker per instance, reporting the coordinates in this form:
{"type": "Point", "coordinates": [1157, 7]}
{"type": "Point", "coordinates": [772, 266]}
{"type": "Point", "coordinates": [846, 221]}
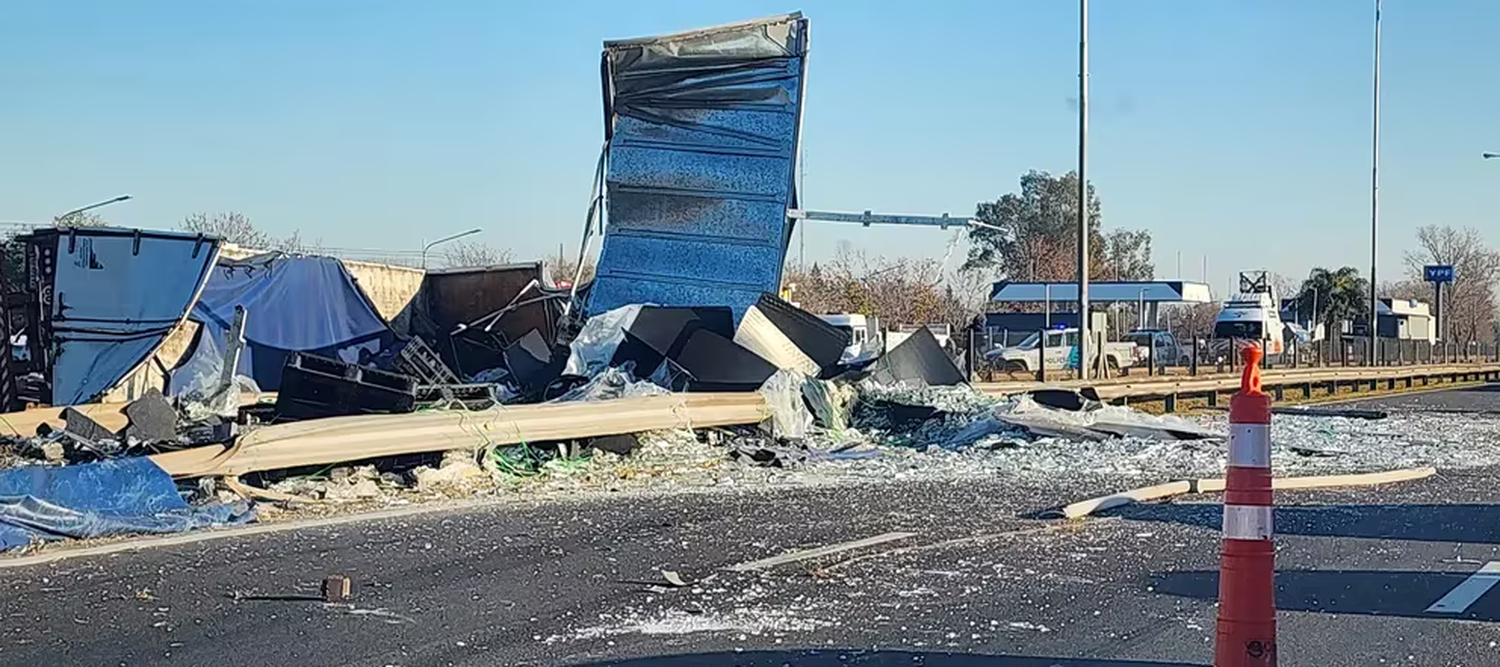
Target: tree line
{"type": "Point", "coordinates": [1468, 314]}
{"type": "Point", "coordinates": [1026, 235]}
{"type": "Point", "coordinates": [1031, 235]}
{"type": "Point", "coordinates": [237, 228]}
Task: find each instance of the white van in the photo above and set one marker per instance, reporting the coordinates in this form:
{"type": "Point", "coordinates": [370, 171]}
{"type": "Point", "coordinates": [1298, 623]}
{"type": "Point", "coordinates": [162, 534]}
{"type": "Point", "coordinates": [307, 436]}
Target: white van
{"type": "Point", "coordinates": [864, 335]}
{"type": "Point", "coordinates": [1252, 315]}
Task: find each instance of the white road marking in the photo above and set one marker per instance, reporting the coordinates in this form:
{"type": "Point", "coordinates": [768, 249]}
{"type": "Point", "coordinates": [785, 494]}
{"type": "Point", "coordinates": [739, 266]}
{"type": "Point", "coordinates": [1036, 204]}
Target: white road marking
{"type": "Point", "coordinates": [805, 554]}
{"type": "Point", "coordinates": [1467, 593]}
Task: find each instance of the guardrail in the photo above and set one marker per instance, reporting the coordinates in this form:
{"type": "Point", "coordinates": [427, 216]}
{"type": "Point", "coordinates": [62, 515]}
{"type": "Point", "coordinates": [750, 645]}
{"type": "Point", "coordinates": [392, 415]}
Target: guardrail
{"type": "Point", "coordinates": [1277, 382]}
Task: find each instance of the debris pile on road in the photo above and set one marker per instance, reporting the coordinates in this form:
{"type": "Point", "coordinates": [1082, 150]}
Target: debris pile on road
{"type": "Point", "coordinates": [196, 379]}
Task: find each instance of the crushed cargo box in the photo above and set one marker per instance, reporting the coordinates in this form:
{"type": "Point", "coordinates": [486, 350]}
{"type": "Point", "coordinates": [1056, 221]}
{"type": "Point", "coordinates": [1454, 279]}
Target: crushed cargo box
{"type": "Point", "coordinates": [470, 315]}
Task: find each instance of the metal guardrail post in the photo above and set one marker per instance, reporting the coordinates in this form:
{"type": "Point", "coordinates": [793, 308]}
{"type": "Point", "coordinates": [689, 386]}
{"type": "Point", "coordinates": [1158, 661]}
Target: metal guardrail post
{"type": "Point", "coordinates": [1151, 358]}
{"type": "Point", "coordinates": [1194, 370]}
{"type": "Point", "coordinates": [969, 358]}
{"type": "Point", "coordinates": [1101, 367]}
{"type": "Point", "coordinates": [1041, 357]}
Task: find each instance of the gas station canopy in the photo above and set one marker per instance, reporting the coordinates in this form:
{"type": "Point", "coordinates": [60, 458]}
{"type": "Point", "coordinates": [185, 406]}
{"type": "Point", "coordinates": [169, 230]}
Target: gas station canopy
{"type": "Point", "coordinates": [1161, 291]}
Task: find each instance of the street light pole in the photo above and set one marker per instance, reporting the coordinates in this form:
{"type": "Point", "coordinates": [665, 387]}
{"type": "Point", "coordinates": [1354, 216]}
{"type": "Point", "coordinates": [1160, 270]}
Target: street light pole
{"type": "Point", "coordinates": [1374, 189]}
{"type": "Point", "coordinates": [1083, 189]}
{"type": "Point", "coordinates": [445, 239]}
{"type": "Point", "coordinates": [58, 219]}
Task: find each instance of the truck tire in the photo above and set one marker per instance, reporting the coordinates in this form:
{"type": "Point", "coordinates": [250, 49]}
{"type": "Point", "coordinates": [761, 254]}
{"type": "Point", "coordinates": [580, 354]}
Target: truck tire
{"type": "Point", "coordinates": [1014, 366]}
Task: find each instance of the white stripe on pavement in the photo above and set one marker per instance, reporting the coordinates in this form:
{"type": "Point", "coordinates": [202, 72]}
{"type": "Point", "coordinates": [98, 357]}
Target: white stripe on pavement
{"type": "Point", "coordinates": [1465, 594]}
{"type": "Point", "coordinates": [819, 552]}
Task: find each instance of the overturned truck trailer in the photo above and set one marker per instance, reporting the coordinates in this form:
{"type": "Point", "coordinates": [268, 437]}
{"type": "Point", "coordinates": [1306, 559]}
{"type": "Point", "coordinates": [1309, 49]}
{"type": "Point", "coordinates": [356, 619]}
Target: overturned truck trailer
{"type": "Point", "coordinates": [701, 133]}
{"type": "Point", "coordinates": [99, 301]}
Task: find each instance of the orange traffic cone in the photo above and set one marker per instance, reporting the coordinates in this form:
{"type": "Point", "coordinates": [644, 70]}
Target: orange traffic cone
{"type": "Point", "coordinates": [1246, 633]}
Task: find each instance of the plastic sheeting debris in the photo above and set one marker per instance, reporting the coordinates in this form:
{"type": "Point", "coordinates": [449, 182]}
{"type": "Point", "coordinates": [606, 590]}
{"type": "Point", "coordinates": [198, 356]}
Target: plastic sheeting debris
{"type": "Point", "coordinates": [790, 418]}
{"type": "Point", "coordinates": [609, 384]}
{"type": "Point", "coordinates": [595, 345]}
{"type": "Point", "coordinates": [200, 393]}
{"type": "Point", "coordinates": [116, 497]}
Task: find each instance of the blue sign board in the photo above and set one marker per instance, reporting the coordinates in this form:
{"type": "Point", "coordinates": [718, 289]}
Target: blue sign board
{"type": "Point", "coordinates": [1438, 273]}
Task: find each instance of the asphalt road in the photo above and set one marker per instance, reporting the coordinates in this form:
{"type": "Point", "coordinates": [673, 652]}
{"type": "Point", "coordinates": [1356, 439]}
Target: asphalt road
{"type": "Point", "coordinates": [979, 582]}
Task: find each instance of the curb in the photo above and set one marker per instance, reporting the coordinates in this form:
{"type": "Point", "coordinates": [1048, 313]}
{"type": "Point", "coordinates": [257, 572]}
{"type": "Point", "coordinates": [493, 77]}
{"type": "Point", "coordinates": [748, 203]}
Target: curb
{"type": "Point", "coordinates": [1084, 508]}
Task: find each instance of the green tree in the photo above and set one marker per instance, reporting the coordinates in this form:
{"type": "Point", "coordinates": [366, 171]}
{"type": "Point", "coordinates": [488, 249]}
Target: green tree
{"type": "Point", "coordinates": [1128, 255]}
{"type": "Point", "coordinates": [1033, 235]}
{"type": "Point", "coordinates": [13, 252]}
{"type": "Point", "coordinates": [1332, 297]}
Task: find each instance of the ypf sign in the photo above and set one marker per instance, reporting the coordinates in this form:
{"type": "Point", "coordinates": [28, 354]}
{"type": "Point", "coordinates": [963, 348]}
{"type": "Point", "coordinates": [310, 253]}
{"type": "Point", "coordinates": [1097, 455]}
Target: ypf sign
{"type": "Point", "coordinates": [1438, 274]}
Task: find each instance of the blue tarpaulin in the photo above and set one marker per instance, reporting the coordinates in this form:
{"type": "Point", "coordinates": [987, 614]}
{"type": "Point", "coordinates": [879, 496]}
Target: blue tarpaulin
{"type": "Point", "coordinates": [292, 304]}
{"type": "Point", "coordinates": [116, 497]}
{"type": "Point", "coordinates": [702, 131]}
{"type": "Point", "coordinates": [113, 297]}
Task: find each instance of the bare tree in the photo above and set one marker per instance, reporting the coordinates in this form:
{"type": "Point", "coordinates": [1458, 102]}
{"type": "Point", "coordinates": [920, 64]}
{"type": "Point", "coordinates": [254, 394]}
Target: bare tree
{"type": "Point", "coordinates": [85, 219]}
{"type": "Point", "coordinates": [1469, 305]}
{"type": "Point", "coordinates": [237, 228]}
{"type": "Point", "coordinates": [563, 267]}
{"type": "Point", "coordinates": [1193, 320]}
{"type": "Point", "coordinates": [1286, 287]}
{"type": "Point", "coordinates": [475, 254]}
{"type": "Point", "coordinates": [898, 291]}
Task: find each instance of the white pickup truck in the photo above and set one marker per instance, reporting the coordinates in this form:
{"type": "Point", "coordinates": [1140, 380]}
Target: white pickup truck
{"type": "Point", "coordinates": [1062, 352]}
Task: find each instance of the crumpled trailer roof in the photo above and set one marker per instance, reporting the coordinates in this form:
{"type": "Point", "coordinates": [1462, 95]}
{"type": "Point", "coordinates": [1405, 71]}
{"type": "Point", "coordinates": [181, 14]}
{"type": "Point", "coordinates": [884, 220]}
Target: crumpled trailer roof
{"type": "Point", "coordinates": [702, 132]}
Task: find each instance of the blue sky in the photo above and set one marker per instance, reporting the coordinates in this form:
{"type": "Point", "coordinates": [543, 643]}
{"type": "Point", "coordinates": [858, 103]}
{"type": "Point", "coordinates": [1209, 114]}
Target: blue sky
{"type": "Point", "coordinates": [1235, 130]}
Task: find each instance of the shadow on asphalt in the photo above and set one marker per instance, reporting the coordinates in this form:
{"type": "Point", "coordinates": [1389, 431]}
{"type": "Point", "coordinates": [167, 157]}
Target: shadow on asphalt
{"type": "Point", "coordinates": [866, 658]}
{"type": "Point", "coordinates": [1480, 389]}
{"type": "Point", "coordinates": [1472, 523]}
{"type": "Point", "coordinates": [1369, 593]}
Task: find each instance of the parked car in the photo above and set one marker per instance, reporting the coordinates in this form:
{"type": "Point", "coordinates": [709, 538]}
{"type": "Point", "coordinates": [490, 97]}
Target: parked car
{"type": "Point", "coordinates": [1062, 352]}
{"type": "Point", "coordinates": [1168, 352]}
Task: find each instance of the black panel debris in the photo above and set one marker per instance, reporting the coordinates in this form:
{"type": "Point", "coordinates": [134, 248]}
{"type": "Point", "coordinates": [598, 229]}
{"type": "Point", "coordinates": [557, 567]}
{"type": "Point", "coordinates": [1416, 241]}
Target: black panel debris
{"type": "Point", "coordinates": [533, 365]}
{"type": "Point", "coordinates": [713, 362]}
{"type": "Point", "coordinates": [660, 333]}
{"type": "Point", "coordinates": [314, 387]}
{"type": "Point", "coordinates": [918, 360]}
{"type": "Point", "coordinates": [152, 418]}
{"type": "Point", "coordinates": [83, 426]}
